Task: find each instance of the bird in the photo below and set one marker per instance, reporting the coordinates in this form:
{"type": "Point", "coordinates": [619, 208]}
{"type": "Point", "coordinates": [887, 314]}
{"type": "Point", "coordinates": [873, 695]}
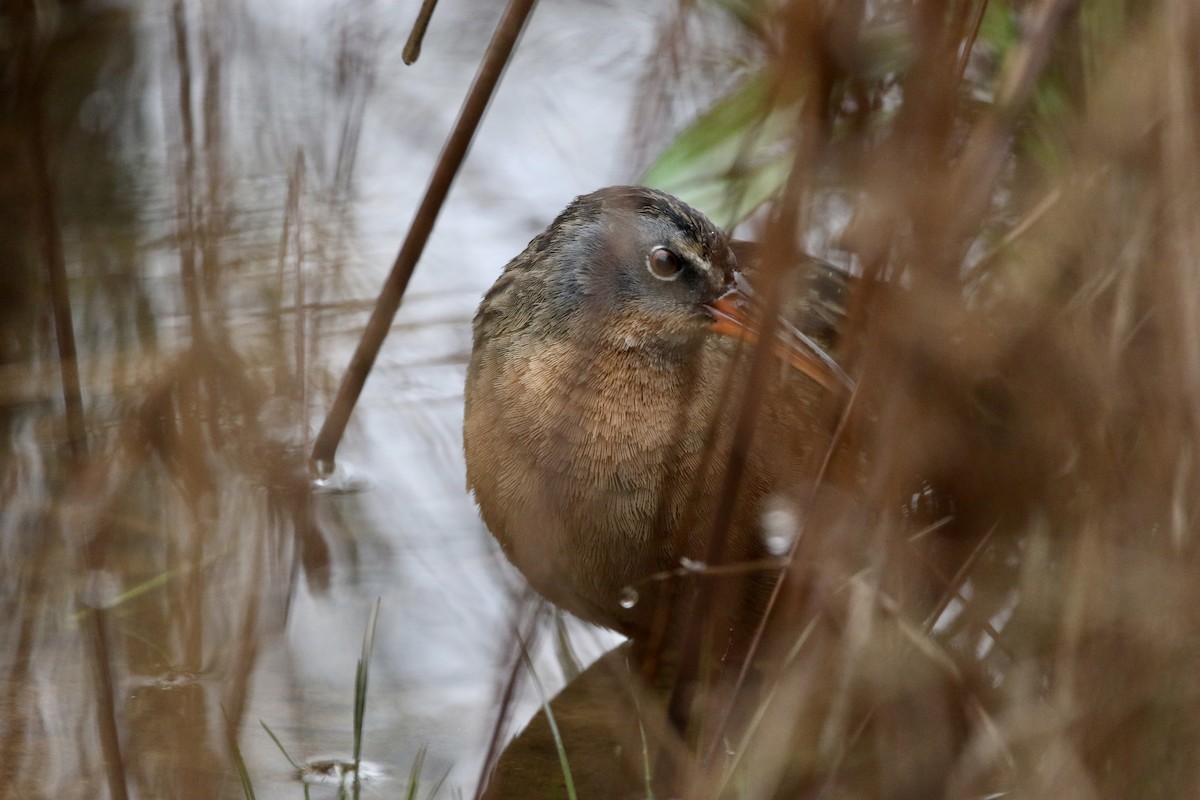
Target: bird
{"type": "Point", "coordinates": [599, 417]}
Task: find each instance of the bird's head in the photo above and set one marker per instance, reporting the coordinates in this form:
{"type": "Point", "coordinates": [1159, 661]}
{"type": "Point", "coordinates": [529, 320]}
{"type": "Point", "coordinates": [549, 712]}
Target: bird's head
{"type": "Point", "coordinates": [639, 263]}
{"type": "Point", "coordinates": [636, 268]}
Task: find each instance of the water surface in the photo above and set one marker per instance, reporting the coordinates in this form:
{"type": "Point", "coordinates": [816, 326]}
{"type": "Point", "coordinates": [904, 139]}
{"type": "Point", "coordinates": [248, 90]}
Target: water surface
{"type": "Point", "coordinates": [228, 184]}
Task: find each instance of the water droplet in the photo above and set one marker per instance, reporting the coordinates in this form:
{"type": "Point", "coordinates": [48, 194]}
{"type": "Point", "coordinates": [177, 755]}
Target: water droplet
{"type": "Point", "coordinates": [335, 771]}
{"type": "Point", "coordinates": [100, 589]}
{"type": "Point", "coordinates": [779, 526]}
{"type": "Point", "coordinates": [322, 472]}
{"type": "Point", "coordinates": [778, 545]}
{"type": "Point", "coordinates": [175, 679]}
{"type": "Point", "coordinates": [329, 477]}
{"type": "Point", "coordinates": [628, 597]}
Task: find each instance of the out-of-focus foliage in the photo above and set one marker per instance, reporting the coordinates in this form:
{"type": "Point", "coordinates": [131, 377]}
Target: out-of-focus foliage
{"type": "Point", "coordinates": [1014, 187]}
{"type": "Point", "coordinates": [733, 158]}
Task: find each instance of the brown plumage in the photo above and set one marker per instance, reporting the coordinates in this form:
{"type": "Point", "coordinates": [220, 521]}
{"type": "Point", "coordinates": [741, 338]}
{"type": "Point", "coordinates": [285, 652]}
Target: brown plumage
{"type": "Point", "coordinates": [598, 422]}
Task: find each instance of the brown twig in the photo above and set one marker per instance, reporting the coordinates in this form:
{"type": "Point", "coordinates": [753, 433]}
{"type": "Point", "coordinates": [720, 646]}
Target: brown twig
{"type": "Point", "coordinates": [45, 207]}
{"type": "Point", "coordinates": [979, 169]}
{"type": "Point", "coordinates": [453, 153]}
{"type": "Point", "coordinates": [790, 558]}
{"type": "Point", "coordinates": [412, 48]}
{"type": "Point", "coordinates": [969, 43]}
{"type": "Point", "coordinates": [110, 740]}
{"type": "Point", "coordinates": [983, 158]}
{"type": "Point", "coordinates": [781, 234]}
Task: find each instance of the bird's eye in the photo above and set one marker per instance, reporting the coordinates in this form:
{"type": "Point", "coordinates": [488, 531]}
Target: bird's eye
{"type": "Point", "coordinates": [663, 264]}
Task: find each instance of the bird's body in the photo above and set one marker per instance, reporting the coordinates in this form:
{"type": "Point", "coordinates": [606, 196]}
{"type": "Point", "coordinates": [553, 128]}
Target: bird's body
{"type": "Point", "coordinates": [598, 425]}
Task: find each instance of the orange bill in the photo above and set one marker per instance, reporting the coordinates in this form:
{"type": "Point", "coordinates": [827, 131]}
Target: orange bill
{"type": "Point", "coordinates": [730, 318]}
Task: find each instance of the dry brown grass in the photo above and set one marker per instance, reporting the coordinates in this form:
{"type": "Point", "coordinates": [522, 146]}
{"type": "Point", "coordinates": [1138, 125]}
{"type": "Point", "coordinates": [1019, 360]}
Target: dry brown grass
{"type": "Point", "coordinates": [1000, 601]}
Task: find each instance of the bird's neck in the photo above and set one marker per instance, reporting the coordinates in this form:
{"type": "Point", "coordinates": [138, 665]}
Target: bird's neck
{"type": "Point", "coordinates": [638, 341]}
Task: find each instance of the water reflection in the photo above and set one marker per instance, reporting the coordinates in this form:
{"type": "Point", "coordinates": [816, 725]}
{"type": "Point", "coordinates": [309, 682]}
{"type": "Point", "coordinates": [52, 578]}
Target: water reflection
{"type": "Point", "coordinates": [197, 172]}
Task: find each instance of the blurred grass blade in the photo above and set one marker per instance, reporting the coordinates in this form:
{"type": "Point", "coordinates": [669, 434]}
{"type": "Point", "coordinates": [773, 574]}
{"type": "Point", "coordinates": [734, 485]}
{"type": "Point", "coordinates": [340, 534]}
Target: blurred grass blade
{"type": "Point", "coordinates": [554, 732]}
{"type": "Point", "coordinates": [647, 771]}
{"type": "Point", "coordinates": [437, 785]}
{"type": "Point", "coordinates": [279, 744]}
{"type": "Point", "coordinates": [567, 660]}
{"type": "Point", "coordinates": [239, 763]}
{"type": "Point", "coordinates": [414, 774]}
{"type": "Point", "coordinates": [360, 689]}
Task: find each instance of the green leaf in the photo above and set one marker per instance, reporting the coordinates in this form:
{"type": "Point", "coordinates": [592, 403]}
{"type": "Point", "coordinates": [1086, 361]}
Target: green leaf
{"type": "Point", "coordinates": [734, 157]}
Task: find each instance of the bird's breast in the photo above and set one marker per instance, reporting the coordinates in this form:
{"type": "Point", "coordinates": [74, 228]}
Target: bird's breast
{"type": "Point", "coordinates": [577, 456]}
{"type": "Point", "coordinates": [606, 420]}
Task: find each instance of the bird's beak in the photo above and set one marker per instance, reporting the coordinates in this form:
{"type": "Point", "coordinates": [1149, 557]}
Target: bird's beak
{"type": "Point", "coordinates": [733, 316]}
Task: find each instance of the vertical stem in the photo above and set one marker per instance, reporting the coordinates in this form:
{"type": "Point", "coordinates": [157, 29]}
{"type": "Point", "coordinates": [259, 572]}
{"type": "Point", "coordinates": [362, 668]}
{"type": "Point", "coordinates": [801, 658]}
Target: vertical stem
{"type": "Point", "coordinates": [186, 180]}
{"type": "Point", "coordinates": [190, 418]}
{"type": "Point", "coordinates": [106, 718]}
{"type": "Point", "coordinates": [453, 153]}
{"type": "Point", "coordinates": [51, 240]}
{"type": "Point", "coordinates": [301, 330]}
